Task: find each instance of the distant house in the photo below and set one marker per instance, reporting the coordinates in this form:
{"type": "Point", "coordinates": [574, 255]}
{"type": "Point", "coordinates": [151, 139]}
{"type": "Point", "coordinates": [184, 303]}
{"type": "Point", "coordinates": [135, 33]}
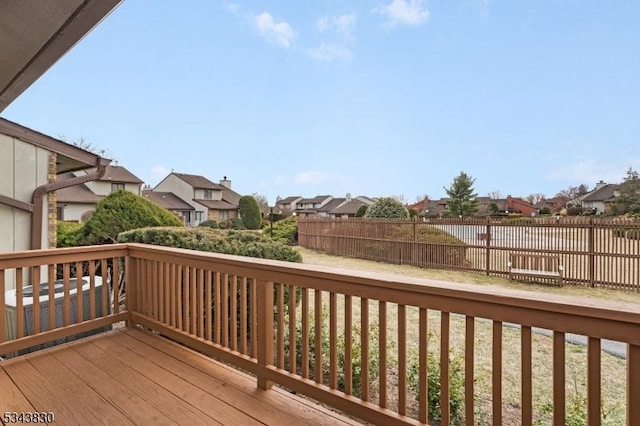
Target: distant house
{"type": "Point", "coordinates": [350, 208]}
{"type": "Point", "coordinates": [288, 204]}
{"type": "Point", "coordinates": [210, 201]}
{"type": "Point", "coordinates": [75, 201]}
{"type": "Point", "coordinates": [327, 209]}
{"type": "Point", "coordinates": [33, 167]}
{"type": "Point", "coordinates": [308, 207]}
{"type": "Point", "coordinates": [171, 202]}
{"type": "Point", "coordinates": [598, 199]}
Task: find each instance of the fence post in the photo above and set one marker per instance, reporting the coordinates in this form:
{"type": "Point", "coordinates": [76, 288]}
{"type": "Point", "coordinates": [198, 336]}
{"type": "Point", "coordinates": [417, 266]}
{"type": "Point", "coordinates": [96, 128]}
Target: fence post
{"type": "Point", "coordinates": [592, 254]}
{"type": "Point", "coordinates": [264, 333]}
{"type": "Point", "coordinates": [488, 256]}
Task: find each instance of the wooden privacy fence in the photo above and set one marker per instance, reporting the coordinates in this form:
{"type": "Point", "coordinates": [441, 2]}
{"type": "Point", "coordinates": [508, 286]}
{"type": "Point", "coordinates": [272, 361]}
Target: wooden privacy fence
{"type": "Point", "coordinates": [593, 252]}
{"type": "Point", "coordinates": [388, 349]}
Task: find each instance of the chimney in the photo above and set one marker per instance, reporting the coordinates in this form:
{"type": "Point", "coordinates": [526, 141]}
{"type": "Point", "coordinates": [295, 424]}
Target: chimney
{"type": "Point", "coordinates": [600, 184]}
{"type": "Point", "coordinates": [348, 197]}
{"type": "Point", "coordinates": [225, 182]}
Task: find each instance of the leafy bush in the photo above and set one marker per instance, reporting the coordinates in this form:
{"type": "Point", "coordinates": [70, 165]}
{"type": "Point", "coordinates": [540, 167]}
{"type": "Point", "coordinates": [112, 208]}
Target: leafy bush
{"type": "Point", "coordinates": [68, 234]}
{"type": "Point", "coordinates": [241, 243]}
{"type": "Point", "coordinates": [121, 211]}
{"type": "Point", "coordinates": [362, 210]}
{"type": "Point", "coordinates": [210, 224]}
{"type": "Point", "coordinates": [413, 212]}
{"type": "Point", "coordinates": [545, 210]}
{"type": "Point", "coordinates": [250, 212]}
{"type": "Point", "coordinates": [285, 231]}
{"type": "Point", "coordinates": [235, 223]}
{"type": "Point", "coordinates": [456, 386]}
{"type": "Point", "coordinates": [387, 207]}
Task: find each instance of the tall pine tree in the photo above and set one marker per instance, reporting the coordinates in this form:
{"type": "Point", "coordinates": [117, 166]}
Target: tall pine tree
{"type": "Point", "coordinates": [463, 200]}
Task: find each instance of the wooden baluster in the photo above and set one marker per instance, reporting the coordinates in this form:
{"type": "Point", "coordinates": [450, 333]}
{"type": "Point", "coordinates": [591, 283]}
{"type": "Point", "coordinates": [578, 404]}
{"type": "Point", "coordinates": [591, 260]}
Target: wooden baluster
{"type": "Point", "coordinates": [3, 318]}
{"type": "Point", "coordinates": [305, 333]}
{"type": "Point", "coordinates": [423, 404]}
{"type": "Point", "coordinates": [280, 325]}
{"type": "Point", "coordinates": [265, 330]}
{"type": "Point", "coordinates": [208, 306]}
{"type": "Point", "coordinates": [193, 301]}
{"type": "Point", "coordinates": [234, 312]}
{"type": "Point", "coordinates": [527, 384]}
{"type": "Point", "coordinates": [92, 289]}
{"type": "Point", "coordinates": [317, 312]}
{"type": "Point", "coordinates": [179, 305]}
{"type": "Point", "coordinates": [469, 358]}
{"type": "Point", "coordinates": [243, 316]}
{"type": "Point", "coordinates": [593, 381]}
{"type": "Point", "coordinates": [35, 282]}
{"type": "Point", "coordinates": [348, 356]}
{"type": "Point", "coordinates": [254, 318]}
{"type": "Point", "coordinates": [292, 329]}
{"type": "Point", "coordinates": [66, 311]}
{"type": "Point", "coordinates": [633, 384]}
{"type": "Point", "coordinates": [186, 299]}
{"type": "Point", "coordinates": [364, 349]}
{"type": "Point", "coordinates": [444, 368]}
{"type": "Point", "coordinates": [115, 284]}
{"type": "Point", "coordinates": [496, 382]}
{"type": "Point", "coordinates": [168, 276]}
{"type": "Point", "coordinates": [218, 309]}
{"type": "Point", "coordinates": [201, 317]}
{"type": "Point", "coordinates": [51, 272]}
{"type": "Point", "coordinates": [559, 400]}
{"type": "Point", "coordinates": [402, 359]}
{"type": "Point", "coordinates": [105, 288]}
{"type": "Point", "coordinates": [382, 349]}
{"type": "Point", "coordinates": [333, 341]}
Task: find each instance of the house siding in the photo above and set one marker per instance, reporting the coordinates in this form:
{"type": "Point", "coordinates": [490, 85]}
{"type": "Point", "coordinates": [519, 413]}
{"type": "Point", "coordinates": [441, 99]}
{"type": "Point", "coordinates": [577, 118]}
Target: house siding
{"type": "Point", "coordinates": [23, 167]}
{"type": "Point", "coordinates": [184, 191]}
{"type": "Point", "coordinates": [104, 188]}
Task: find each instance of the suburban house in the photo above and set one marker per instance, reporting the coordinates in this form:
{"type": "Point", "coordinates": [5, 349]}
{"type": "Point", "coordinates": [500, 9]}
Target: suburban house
{"type": "Point", "coordinates": [597, 199]}
{"type": "Point", "coordinates": [350, 207]}
{"type": "Point", "coordinates": [75, 201]}
{"type": "Point", "coordinates": [325, 211]}
{"type": "Point", "coordinates": [171, 202]}
{"type": "Point", "coordinates": [509, 205]}
{"type": "Point", "coordinates": [308, 207]}
{"type": "Point", "coordinates": [288, 204]}
{"type": "Point", "coordinates": [210, 201]}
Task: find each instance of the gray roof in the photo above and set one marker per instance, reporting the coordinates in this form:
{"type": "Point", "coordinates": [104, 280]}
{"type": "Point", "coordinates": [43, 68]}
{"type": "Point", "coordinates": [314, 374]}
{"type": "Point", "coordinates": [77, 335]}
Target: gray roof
{"type": "Point", "coordinates": [199, 182]}
{"type": "Point", "coordinates": [231, 196]}
{"type": "Point", "coordinates": [332, 205]}
{"type": "Point", "coordinates": [315, 200]}
{"type": "Point", "coordinates": [289, 200]}
{"type": "Point", "coordinates": [217, 204]}
{"type": "Point", "coordinates": [77, 194]}
{"type": "Point", "coordinates": [168, 200]}
{"type": "Point", "coordinates": [118, 174]}
{"type": "Point", "coordinates": [602, 194]}
{"type": "Point", "coordinates": [350, 207]}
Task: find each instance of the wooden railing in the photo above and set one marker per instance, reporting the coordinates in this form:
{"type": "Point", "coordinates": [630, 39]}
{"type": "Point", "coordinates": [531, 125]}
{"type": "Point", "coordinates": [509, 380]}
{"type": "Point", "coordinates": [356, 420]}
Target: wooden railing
{"type": "Point", "coordinates": [365, 343]}
{"type": "Point", "coordinates": [595, 252]}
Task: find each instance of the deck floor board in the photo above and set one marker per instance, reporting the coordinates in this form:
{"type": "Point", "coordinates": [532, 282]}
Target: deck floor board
{"type": "Point", "coordinates": [132, 377]}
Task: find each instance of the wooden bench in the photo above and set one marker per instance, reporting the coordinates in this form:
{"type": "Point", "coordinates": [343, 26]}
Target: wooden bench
{"type": "Point", "coordinates": [535, 266]}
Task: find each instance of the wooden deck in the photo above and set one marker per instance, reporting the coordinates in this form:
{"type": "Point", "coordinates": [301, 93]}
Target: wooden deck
{"type": "Point", "coordinates": [132, 377]}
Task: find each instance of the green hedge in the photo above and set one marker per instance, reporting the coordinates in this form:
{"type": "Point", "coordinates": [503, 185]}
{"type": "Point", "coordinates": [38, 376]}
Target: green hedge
{"type": "Point", "coordinates": [241, 243]}
{"type": "Point", "coordinates": [285, 231]}
{"type": "Point", "coordinates": [68, 234]}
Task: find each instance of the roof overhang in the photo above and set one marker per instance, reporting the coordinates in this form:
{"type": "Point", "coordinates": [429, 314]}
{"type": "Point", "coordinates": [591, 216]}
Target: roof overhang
{"type": "Point", "coordinates": [34, 34]}
{"type": "Point", "coordinates": [69, 158]}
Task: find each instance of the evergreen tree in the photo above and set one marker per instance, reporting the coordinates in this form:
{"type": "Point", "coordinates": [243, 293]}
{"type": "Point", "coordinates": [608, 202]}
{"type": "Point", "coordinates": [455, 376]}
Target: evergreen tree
{"type": "Point", "coordinates": [628, 200]}
{"type": "Point", "coordinates": [250, 212]}
{"type": "Point", "coordinates": [463, 200]}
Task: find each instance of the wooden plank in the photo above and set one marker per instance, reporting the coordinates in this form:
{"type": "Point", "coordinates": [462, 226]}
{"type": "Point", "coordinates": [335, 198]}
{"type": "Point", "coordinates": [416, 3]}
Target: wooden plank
{"type": "Point", "coordinates": [208, 306]}
{"type": "Point", "coordinates": [19, 306]}
{"type": "Point", "coordinates": [317, 313]}
{"type": "Point", "coordinates": [293, 332]}
{"type": "Point", "coordinates": [276, 404]}
{"type": "Point", "coordinates": [348, 356]}
{"type": "Point", "coordinates": [280, 325]}
{"type": "Point", "coordinates": [445, 405]}
{"type": "Point", "coordinates": [35, 282]}
{"type": "Point", "coordinates": [333, 341]}
{"type": "Point", "coordinates": [60, 392]}
{"type": "Point", "coordinates": [11, 398]}
{"type": "Point", "coordinates": [382, 350]}
{"type": "Point", "coordinates": [633, 384]}
{"type": "Point", "coordinates": [234, 313]}
{"type": "Point", "coordinates": [3, 318]}
{"type": "Point", "coordinates": [133, 377]}
{"type": "Point", "coordinates": [133, 405]}
{"type": "Point", "coordinates": [496, 374]}
{"type": "Point", "coordinates": [305, 333]}
{"type": "Point", "coordinates": [364, 349]}
{"type": "Point", "coordinates": [423, 404]}
{"type": "Point", "coordinates": [402, 359]}
{"type": "Point", "coordinates": [527, 383]}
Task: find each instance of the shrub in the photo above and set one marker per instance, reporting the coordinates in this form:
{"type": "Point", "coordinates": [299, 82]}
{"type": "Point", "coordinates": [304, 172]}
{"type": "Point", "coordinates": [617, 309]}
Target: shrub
{"type": "Point", "coordinates": [210, 224]}
{"type": "Point", "coordinates": [68, 234]}
{"type": "Point", "coordinates": [250, 212]}
{"type": "Point", "coordinates": [121, 211]}
{"type": "Point", "coordinates": [241, 243]}
{"type": "Point", "coordinates": [387, 207]}
{"type": "Point", "coordinates": [285, 231]}
{"type": "Point", "coordinates": [413, 212]}
{"type": "Point", "coordinates": [235, 223]}
{"type": "Point", "coordinates": [362, 210]}
{"type": "Point", "coordinates": [545, 210]}
{"type": "Point", "coordinates": [456, 386]}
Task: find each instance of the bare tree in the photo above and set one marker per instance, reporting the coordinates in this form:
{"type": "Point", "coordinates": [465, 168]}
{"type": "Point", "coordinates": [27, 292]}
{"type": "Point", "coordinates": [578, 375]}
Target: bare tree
{"type": "Point", "coordinates": [535, 198]}
{"type": "Point", "coordinates": [263, 202]}
{"type": "Point", "coordinates": [422, 197]}
{"type": "Point", "coordinates": [495, 195]}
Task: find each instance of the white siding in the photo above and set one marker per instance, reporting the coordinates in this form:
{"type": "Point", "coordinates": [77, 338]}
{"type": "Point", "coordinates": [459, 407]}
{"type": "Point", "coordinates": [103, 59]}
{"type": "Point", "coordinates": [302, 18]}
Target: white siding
{"type": "Point", "coordinates": [23, 167]}
{"type": "Point", "coordinates": [74, 212]}
{"type": "Point", "coordinates": [183, 190]}
{"type": "Point", "coordinates": [104, 188]}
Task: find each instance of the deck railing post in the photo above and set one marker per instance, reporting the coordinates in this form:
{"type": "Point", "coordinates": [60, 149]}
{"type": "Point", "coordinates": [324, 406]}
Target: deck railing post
{"type": "Point", "coordinates": [633, 384]}
{"type": "Point", "coordinates": [130, 291]}
{"type": "Point", "coordinates": [265, 330]}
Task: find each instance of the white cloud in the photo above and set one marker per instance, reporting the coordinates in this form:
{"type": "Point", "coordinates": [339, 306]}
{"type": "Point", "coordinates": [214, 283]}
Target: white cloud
{"type": "Point", "coordinates": [159, 172]}
{"type": "Point", "coordinates": [278, 32]}
{"type": "Point", "coordinates": [311, 177]}
{"type": "Point", "coordinates": [330, 52]}
{"type": "Point", "coordinates": [343, 24]}
{"type": "Point", "coordinates": [404, 12]}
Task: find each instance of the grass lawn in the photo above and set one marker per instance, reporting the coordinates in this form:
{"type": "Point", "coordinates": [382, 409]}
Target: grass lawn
{"type": "Point", "coordinates": [613, 369]}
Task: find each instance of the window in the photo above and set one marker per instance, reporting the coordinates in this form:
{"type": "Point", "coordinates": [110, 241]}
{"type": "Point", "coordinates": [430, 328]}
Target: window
{"type": "Point", "coordinates": [223, 215]}
{"type": "Point", "coordinates": [198, 217]}
{"type": "Point", "coordinates": [207, 194]}
{"type": "Point", "coordinates": [117, 186]}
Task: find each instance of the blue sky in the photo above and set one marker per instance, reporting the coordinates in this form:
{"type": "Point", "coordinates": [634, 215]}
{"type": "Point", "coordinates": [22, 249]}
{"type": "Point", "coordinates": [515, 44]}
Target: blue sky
{"type": "Point", "coordinates": [388, 97]}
